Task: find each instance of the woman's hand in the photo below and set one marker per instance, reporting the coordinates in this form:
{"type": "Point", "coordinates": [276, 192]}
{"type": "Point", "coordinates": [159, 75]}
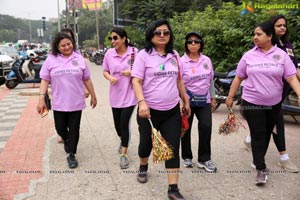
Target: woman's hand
{"type": "Point", "coordinates": [41, 104]}
{"type": "Point", "coordinates": [229, 102]}
{"type": "Point", "coordinates": [126, 73]}
{"type": "Point", "coordinates": [144, 111]}
{"type": "Point", "coordinates": [213, 104]}
{"type": "Point", "coordinates": [93, 102]}
{"type": "Point", "coordinates": [113, 80]}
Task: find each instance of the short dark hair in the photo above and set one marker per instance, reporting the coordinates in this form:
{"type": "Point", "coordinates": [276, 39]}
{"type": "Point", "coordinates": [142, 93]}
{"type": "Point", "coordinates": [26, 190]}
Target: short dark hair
{"type": "Point", "coordinates": [273, 20]}
{"type": "Point", "coordinates": [150, 34]}
{"type": "Point", "coordinates": [58, 37]}
{"type": "Point", "coordinates": [268, 28]}
{"type": "Point", "coordinates": [198, 35]}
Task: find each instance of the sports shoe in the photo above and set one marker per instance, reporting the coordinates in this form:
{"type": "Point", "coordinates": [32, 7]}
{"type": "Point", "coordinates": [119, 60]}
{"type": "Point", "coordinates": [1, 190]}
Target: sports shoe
{"type": "Point", "coordinates": [142, 174]}
{"type": "Point", "coordinates": [288, 166]}
{"type": "Point", "coordinates": [246, 145]}
{"type": "Point", "coordinates": [208, 166]}
{"type": "Point", "coordinates": [72, 161]}
{"type": "Point", "coordinates": [261, 177]}
{"type": "Point", "coordinates": [175, 195]}
{"type": "Point", "coordinates": [120, 148]}
{"type": "Point", "coordinates": [188, 163]}
{"type": "Point", "coordinates": [124, 163]}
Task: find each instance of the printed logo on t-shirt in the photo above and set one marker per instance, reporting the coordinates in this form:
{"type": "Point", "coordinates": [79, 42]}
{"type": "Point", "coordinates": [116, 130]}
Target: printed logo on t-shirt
{"type": "Point", "coordinates": [74, 63]}
{"type": "Point", "coordinates": [276, 57]}
{"type": "Point", "coordinates": [205, 66]}
{"type": "Point", "coordinates": [173, 62]}
{"type": "Point", "coordinates": [161, 67]}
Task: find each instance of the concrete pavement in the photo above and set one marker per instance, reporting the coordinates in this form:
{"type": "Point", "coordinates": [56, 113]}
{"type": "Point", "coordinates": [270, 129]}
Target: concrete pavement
{"type": "Point", "coordinates": [33, 165]}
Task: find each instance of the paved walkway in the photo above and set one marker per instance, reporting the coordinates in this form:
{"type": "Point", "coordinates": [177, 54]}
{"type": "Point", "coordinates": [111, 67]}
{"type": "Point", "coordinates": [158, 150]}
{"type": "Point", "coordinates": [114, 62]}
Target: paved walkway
{"type": "Point", "coordinates": [33, 165]}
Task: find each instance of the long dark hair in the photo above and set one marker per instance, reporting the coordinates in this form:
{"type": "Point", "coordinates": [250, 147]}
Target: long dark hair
{"type": "Point", "coordinates": [150, 34]}
{"type": "Point", "coordinates": [273, 20]}
{"type": "Point", "coordinates": [58, 37]}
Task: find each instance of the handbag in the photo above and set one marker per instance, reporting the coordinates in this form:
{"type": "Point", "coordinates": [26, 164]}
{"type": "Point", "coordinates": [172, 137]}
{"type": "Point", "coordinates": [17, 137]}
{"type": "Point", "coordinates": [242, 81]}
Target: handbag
{"type": "Point", "coordinates": [184, 125]}
{"type": "Point", "coordinates": [197, 100]}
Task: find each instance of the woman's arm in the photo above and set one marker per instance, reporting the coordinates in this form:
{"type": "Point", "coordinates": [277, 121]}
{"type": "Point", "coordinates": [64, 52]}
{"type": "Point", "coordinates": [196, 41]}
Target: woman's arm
{"type": "Point", "coordinates": [90, 87]}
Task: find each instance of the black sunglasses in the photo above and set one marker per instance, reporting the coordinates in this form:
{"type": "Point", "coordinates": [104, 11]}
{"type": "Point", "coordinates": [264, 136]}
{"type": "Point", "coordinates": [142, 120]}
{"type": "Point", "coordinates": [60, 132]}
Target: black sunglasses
{"type": "Point", "coordinates": [113, 38]}
{"type": "Point", "coordinates": [164, 32]}
{"type": "Point", "coordinates": [196, 41]}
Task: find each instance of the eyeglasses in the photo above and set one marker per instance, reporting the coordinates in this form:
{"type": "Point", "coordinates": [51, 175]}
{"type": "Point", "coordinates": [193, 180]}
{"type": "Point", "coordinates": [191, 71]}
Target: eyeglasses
{"type": "Point", "coordinates": [113, 38]}
{"type": "Point", "coordinates": [163, 32]}
{"type": "Point", "coordinates": [196, 41]}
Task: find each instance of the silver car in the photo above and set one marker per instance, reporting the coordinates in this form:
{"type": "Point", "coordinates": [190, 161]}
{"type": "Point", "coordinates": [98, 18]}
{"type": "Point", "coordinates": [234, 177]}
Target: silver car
{"type": "Point", "coordinates": [10, 51]}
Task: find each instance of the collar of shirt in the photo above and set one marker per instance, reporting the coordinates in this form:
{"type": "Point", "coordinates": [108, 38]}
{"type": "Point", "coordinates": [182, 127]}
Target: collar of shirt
{"type": "Point", "coordinates": [115, 53]}
{"type": "Point", "coordinates": [73, 55]}
{"type": "Point", "coordinates": [256, 48]}
{"type": "Point", "coordinates": [187, 59]}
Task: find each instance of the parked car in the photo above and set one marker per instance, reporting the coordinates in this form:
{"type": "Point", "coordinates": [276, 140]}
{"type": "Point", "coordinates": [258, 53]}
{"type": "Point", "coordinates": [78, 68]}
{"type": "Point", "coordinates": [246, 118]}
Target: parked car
{"type": "Point", "coordinates": [5, 67]}
{"type": "Point", "coordinates": [10, 51]}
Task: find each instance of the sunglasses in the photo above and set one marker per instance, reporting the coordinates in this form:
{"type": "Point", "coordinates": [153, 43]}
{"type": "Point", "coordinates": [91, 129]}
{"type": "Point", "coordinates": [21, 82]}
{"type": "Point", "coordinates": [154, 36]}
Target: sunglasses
{"type": "Point", "coordinates": [159, 33]}
{"type": "Point", "coordinates": [196, 41]}
{"type": "Point", "coordinates": [113, 38]}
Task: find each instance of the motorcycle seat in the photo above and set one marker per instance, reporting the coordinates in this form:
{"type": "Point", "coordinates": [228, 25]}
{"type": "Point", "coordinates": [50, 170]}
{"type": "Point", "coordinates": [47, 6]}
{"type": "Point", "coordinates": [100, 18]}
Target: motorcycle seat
{"type": "Point", "coordinates": [220, 74]}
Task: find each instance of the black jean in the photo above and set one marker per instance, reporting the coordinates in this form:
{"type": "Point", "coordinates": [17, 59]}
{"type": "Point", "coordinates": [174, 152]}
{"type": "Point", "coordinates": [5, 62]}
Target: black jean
{"type": "Point", "coordinates": [169, 124]}
{"type": "Point", "coordinates": [122, 120]}
{"type": "Point", "coordinates": [204, 117]}
{"type": "Point", "coordinates": [279, 134]}
{"type": "Point", "coordinates": [261, 121]}
{"type": "Point", "coordinates": [67, 125]}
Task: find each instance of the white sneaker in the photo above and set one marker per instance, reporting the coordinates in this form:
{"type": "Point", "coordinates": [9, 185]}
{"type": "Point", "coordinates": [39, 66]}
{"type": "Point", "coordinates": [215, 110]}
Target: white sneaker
{"type": "Point", "coordinates": [288, 166]}
{"type": "Point", "coordinates": [188, 163]}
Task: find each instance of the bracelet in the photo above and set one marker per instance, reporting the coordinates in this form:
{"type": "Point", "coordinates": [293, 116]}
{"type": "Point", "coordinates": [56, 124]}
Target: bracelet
{"type": "Point", "coordinates": [140, 101]}
{"type": "Point", "coordinates": [43, 94]}
{"type": "Point", "coordinates": [228, 97]}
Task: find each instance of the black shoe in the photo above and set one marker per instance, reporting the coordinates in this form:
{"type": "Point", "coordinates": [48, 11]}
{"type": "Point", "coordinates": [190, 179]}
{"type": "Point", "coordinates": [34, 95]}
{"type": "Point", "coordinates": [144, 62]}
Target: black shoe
{"type": "Point", "coordinates": [175, 195]}
{"type": "Point", "coordinates": [72, 161]}
{"type": "Point", "coordinates": [142, 176]}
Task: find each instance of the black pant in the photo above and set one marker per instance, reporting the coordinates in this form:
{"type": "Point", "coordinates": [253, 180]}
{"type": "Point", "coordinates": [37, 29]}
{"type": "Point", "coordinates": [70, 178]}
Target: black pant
{"type": "Point", "coordinates": [169, 125]}
{"type": "Point", "coordinates": [204, 117]}
{"type": "Point", "coordinates": [67, 125]}
{"type": "Point", "coordinates": [122, 120]}
{"type": "Point", "coordinates": [261, 121]}
{"type": "Point", "coordinates": [279, 135]}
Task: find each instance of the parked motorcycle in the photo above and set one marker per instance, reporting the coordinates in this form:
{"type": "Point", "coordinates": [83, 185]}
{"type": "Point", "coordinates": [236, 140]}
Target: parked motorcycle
{"type": "Point", "coordinates": [222, 83]}
{"type": "Point", "coordinates": [23, 72]}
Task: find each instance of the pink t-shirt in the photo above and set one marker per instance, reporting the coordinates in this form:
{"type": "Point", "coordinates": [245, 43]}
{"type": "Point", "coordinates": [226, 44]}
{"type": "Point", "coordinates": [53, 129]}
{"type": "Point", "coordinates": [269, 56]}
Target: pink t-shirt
{"type": "Point", "coordinates": [197, 76]}
{"type": "Point", "coordinates": [159, 74]}
{"type": "Point", "coordinates": [264, 73]}
{"type": "Point", "coordinates": [121, 94]}
{"type": "Point", "coordinates": [66, 76]}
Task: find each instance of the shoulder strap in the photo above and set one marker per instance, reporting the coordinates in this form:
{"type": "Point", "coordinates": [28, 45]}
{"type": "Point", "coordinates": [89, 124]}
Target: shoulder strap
{"type": "Point", "coordinates": [132, 57]}
{"type": "Point", "coordinates": [179, 77]}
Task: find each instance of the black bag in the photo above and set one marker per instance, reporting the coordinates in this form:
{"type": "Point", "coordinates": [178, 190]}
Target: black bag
{"type": "Point", "coordinates": [197, 100]}
{"type": "Point", "coordinates": [47, 101]}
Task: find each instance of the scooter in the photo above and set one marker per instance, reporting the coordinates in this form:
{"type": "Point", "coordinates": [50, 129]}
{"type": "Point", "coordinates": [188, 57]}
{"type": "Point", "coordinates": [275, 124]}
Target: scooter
{"type": "Point", "coordinates": [222, 83]}
{"type": "Point", "coordinates": [23, 72]}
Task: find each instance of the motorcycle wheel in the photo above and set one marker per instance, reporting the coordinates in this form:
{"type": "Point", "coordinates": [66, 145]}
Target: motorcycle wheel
{"type": "Point", "coordinates": [2, 80]}
{"type": "Point", "coordinates": [11, 84]}
{"type": "Point", "coordinates": [218, 102]}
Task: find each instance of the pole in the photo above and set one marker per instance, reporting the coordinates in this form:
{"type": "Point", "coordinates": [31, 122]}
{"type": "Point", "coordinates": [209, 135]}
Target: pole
{"type": "Point", "coordinates": [97, 26]}
{"type": "Point", "coordinates": [58, 17]}
{"type": "Point", "coordinates": [67, 14]}
{"type": "Point", "coordinates": [30, 35]}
